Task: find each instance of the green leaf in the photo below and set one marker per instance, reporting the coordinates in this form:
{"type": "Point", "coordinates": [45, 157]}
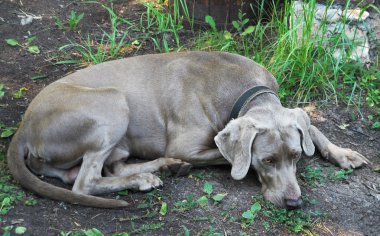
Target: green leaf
{"type": "Point", "coordinates": [186, 231]}
{"type": "Point", "coordinates": [245, 21]}
{"type": "Point", "coordinates": [123, 193]}
{"type": "Point", "coordinates": [31, 39]}
{"type": "Point", "coordinates": [31, 202]}
{"type": "Point", "coordinates": [247, 215]}
{"type": "Point", "coordinates": [120, 234]}
{"type": "Point", "coordinates": [248, 30]}
{"type": "Point", "coordinates": [20, 230]}
{"type": "Point", "coordinates": [33, 49]}
{"type": "Point", "coordinates": [136, 43]}
{"type": "Point", "coordinates": [79, 18]}
{"type": "Point", "coordinates": [255, 207]}
{"type": "Point", "coordinates": [202, 201]}
{"type": "Point", "coordinates": [219, 197]}
{"type": "Point", "coordinates": [375, 125]}
{"type": "Point", "coordinates": [164, 208]}
{"type": "Point", "coordinates": [235, 24]}
{"type": "Point", "coordinates": [227, 35]}
{"type": "Point", "coordinates": [38, 77]}
{"type": "Point", "coordinates": [207, 188]}
{"type": "Point", "coordinates": [211, 22]}
{"type": "Point", "coordinates": [93, 232]}
{"type": "Point", "coordinates": [7, 133]}
{"type": "Point", "coordinates": [12, 42]}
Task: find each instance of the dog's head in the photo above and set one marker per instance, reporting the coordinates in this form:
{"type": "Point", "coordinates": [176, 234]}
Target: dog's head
{"type": "Point", "coordinates": [272, 142]}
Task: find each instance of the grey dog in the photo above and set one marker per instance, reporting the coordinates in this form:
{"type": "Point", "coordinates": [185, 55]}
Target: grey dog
{"type": "Point", "coordinates": [176, 110]}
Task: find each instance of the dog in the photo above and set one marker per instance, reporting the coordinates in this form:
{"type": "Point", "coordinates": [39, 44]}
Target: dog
{"type": "Point", "coordinates": [176, 110]}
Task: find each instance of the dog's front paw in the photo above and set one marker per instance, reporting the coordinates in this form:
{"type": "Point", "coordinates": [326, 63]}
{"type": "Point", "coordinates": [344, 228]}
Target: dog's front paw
{"type": "Point", "coordinates": [148, 181]}
{"type": "Point", "coordinates": [177, 167]}
{"type": "Point", "coordinates": [345, 157]}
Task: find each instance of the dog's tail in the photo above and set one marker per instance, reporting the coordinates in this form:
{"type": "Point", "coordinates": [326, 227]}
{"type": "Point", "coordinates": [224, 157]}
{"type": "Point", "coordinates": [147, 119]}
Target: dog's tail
{"type": "Point", "coordinates": [16, 163]}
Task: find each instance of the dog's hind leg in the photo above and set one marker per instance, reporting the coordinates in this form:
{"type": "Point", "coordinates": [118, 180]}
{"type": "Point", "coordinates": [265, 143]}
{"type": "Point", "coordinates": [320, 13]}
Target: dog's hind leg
{"type": "Point", "coordinates": [90, 181]}
{"type": "Point", "coordinates": [168, 165]}
{"type": "Point", "coordinates": [39, 167]}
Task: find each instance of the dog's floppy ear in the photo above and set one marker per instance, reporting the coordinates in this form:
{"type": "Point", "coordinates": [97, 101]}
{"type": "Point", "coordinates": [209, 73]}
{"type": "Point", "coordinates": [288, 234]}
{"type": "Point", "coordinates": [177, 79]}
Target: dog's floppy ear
{"type": "Point", "coordinates": [235, 143]}
{"type": "Point", "coordinates": [303, 124]}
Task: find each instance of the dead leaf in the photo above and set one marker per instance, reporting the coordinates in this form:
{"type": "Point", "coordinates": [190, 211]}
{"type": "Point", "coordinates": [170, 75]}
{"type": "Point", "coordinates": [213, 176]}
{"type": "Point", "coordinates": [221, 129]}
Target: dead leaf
{"type": "Point", "coordinates": [315, 115]}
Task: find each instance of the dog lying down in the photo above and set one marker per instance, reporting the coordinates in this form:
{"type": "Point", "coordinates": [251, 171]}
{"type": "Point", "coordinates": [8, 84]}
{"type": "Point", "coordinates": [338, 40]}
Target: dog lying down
{"type": "Point", "coordinates": [176, 110]}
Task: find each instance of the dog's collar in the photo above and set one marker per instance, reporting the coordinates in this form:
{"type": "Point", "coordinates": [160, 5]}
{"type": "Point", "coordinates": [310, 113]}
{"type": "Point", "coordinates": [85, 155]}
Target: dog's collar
{"type": "Point", "coordinates": [246, 97]}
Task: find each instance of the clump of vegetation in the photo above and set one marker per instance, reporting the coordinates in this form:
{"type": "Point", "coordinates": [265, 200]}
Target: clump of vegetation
{"type": "Point", "coordinates": [71, 23]}
{"type": "Point", "coordinates": [9, 193]}
{"type": "Point", "coordinates": [27, 44]}
{"type": "Point", "coordinates": [110, 45]}
{"type": "Point", "coordinates": [312, 175]}
{"type": "Point", "coordinates": [296, 221]}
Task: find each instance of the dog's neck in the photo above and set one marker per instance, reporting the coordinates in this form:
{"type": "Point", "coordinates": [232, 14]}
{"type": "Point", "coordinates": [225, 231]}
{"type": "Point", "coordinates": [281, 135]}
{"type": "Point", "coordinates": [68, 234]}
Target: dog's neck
{"type": "Point", "coordinates": [265, 100]}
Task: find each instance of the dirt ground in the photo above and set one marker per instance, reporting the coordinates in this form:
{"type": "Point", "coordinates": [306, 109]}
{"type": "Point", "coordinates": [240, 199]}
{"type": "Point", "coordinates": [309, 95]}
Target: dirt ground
{"type": "Point", "coordinates": [347, 207]}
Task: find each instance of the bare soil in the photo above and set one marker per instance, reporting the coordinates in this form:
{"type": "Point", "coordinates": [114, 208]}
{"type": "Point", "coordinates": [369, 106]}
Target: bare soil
{"type": "Point", "coordinates": [349, 207]}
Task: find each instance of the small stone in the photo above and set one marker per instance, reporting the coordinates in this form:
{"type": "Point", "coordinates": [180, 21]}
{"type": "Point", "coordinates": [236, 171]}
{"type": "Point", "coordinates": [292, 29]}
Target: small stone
{"type": "Point", "coordinates": [26, 19]}
{"type": "Point", "coordinates": [357, 14]}
{"type": "Point", "coordinates": [331, 15]}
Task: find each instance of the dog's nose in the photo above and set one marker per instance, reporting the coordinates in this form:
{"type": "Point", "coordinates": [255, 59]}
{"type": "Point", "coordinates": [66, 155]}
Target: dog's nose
{"type": "Point", "coordinates": [292, 204]}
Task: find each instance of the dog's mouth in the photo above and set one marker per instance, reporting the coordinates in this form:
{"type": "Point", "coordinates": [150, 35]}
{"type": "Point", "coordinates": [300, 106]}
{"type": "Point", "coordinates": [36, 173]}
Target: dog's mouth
{"type": "Point", "coordinates": [285, 198]}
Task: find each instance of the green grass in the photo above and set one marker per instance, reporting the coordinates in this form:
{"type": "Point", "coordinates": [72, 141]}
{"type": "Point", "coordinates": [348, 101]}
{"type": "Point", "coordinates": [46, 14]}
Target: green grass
{"type": "Point", "coordinates": [303, 65]}
{"type": "Point", "coordinates": [10, 194]}
{"type": "Point", "coordinates": [295, 221]}
{"type": "Point", "coordinates": [112, 44]}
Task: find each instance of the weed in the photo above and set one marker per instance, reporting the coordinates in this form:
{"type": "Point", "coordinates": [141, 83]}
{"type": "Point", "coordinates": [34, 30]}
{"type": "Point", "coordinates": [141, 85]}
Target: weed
{"type": "Point", "coordinates": [2, 92]}
{"type": "Point", "coordinates": [6, 131]}
{"type": "Point", "coordinates": [160, 26]}
{"type": "Point", "coordinates": [27, 45]}
{"type": "Point", "coordinates": [240, 24]}
{"type": "Point", "coordinates": [9, 193]}
{"type": "Point", "coordinates": [152, 198]}
{"type": "Point", "coordinates": [312, 175]}
{"type": "Point", "coordinates": [145, 227]}
{"type": "Point", "coordinates": [109, 46]}
{"type": "Point", "coordinates": [185, 205]}
{"type": "Point", "coordinates": [72, 22]}
{"type": "Point", "coordinates": [31, 202]}
{"type": "Point", "coordinates": [164, 209]}
{"type": "Point", "coordinates": [147, 215]}
{"type": "Point", "coordinates": [296, 221]}
{"type": "Point", "coordinates": [20, 93]}
{"type": "Point", "coordinates": [74, 19]}
{"type": "Point", "coordinates": [212, 232]}
{"type": "Point", "coordinates": [340, 175]}
{"type": "Point", "coordinates": [17, 230]}
{"type": "Point", "coordinates": [186, 231]}
{"type": "Point", "coordinates": [38, 77]}
{"type": "Point", "coordinates": [248, 217]}
{"type": "Point", "coordinates": [208, 189]}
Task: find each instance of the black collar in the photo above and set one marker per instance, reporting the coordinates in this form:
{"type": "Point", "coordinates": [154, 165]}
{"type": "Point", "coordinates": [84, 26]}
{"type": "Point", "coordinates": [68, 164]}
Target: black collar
{"type": "Point", "coordinates": [246, 97]}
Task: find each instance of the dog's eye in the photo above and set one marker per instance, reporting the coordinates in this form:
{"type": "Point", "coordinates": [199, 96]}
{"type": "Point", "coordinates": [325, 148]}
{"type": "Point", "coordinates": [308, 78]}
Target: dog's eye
{"type": "Point", "coordinates": [269, 161]}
